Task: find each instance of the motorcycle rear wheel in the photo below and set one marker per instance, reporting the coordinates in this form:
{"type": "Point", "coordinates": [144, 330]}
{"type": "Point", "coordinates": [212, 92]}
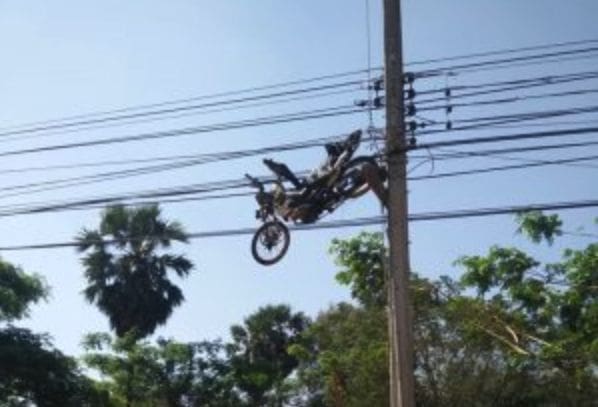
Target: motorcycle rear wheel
{"type": "Point", "coordinates": [353, 184]}
{"type": "Point", "coordinates": [270, 243]}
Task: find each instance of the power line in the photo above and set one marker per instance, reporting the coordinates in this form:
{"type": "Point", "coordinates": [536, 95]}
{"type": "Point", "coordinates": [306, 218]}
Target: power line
{"type": "Point", "coordinates": [205, 188]}
{"type": "Point", "coordinates": [482, 122]}
{"type": "Point", "coordinates": [261, 121]}
{"type": "Point", "coordinates": [193, 98]}
{"type": "Point", "coordinates": [270, 149]}
{"type": "Point", "coordinates": [504, 51]}
{"type": "Point", "coordinates": [197, 160]}
{"type": "Point", "coordinates": [205, 157]}
{"type": "Point", "coordinates": [117, 114]}
{"type": "Point", "coordinates": [508, 137]}
{"type": "Point", "coordinates": [501, 63]}
{"type": "Point", "coordinates": [550, 123]}
{"type": "Point", "coordinates": [270, 120]}
{"type": "Point", "coordinates": [555, 60]}
{"type": "Point", "coordinates": [530, 164]}
{"type": "Point", "coordinates": [511, 99]}
{"type": "Point", "coordinates": [173, 109]}
{"type": "Point", "coordinates": [189, 193]}
{"type": "Point", "coordinates": [450, 154]}
{"type": "Point", "coordinates": [202, 188]}
{"type": "Point", "coordinates": [373, 220]}
{"type": "Point", "coordinates": [195, 113]}
{"type": "Point", "coordinates": [488, 88]}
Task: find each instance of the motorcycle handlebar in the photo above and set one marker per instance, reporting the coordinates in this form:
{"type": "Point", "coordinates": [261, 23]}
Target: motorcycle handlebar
{"type": "Point", "coordinates": [355, 137]}
{"type": "Point", "coordinates": [254, 182]}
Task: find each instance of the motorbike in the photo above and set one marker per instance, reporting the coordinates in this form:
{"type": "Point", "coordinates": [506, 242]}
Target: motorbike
{"type": "Point", "coordinates": [341, 178]}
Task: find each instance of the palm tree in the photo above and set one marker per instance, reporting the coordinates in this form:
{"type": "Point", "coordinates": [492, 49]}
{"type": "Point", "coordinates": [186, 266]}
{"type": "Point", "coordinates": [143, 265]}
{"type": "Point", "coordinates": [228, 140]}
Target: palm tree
{"type": "Point", "coordinates": [127, 270]}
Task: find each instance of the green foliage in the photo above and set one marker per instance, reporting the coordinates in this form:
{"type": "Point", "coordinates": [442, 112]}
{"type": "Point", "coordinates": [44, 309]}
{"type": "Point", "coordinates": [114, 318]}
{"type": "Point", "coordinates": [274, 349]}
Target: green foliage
{"type": "Point", "coordinates": [259, 356]}
{"type": "Point", "coordinates": [347, 358]}
{"type": "Point", "coordinates": [17, 291]}
{"type": "Point", "coordinates": [502, 268]}
{"type": "Point", "coordinates": [362, 267]}
{"type": "Point", "coordinates": [543, 317]}
{"type": "Point", "coordinates": [528, 338]}
{"type": "Point", "coordinates": [537, 226]}
{"type": "Point", "coordinates": [169, 373]}
{"type": "Point", "coordinates": [30, 369]}
{"type": "Point", "coordinates": [127, 276]}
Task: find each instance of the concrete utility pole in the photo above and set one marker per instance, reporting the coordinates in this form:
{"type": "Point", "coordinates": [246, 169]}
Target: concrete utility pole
{"type": "Point", "coordinates": [402, 385]}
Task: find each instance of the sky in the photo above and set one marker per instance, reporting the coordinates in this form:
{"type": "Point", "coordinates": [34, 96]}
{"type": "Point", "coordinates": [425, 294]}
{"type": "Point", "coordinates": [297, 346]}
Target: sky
{"type": "Point", "coordinates": [65, 58]}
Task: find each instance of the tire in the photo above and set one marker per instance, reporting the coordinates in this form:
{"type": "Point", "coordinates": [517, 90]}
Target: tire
{"type": "Point", "coordinates": [274, 234]}
{"type": "Point", "coordinates": [352, 183]}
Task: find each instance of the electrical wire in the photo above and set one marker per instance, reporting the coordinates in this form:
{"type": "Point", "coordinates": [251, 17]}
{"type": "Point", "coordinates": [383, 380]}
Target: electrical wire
{"type": "Point", "coordinates": [489, 88]}
{"type": "Point", "coordinates": [117, 113]}
{"type": "Point", "coordinates": [195, 113]}
{"type": "Point", "coordinates": [505, 62]}
{"type": "Point", "coordinates": [508, 137]}
{"type": "Point", "coordinates": [171, 110]}
{"type": "Point", "coordinates": [190, 99]}
{"type": "Point", "coordinates": [504, 51]}
{"type": "Point", "coordinates": [529, 164]}
{"type": "Point", "coordinates": [189, 192]}
{"type": "Point", "coordinates": [365, 221]}
{"type": "Point", "coordinates": [291, 83]}
{"type": "Point", "coordinates": [30, 188]}
{"type": "Point", "coordinates": [261, 121]}
{"type": "Point", "coordinates": [203, 157]}
{"type": "Point", "coordinates": [482, 122]}
{"type": "Point", "coordinates": [34, 187]}
{"type": "Point", "coordinates": [450, 154]}
{"type": "Point", "coordinates": [510, 100]}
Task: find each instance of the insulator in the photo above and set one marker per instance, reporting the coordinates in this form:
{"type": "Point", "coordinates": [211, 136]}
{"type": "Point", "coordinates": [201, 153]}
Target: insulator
{"type": "Point", "coordinates": [411, 110]}
{"type": "Point", "coordinates": [378, 85]}
{"type": "Point", "coordinates": [411, 125]}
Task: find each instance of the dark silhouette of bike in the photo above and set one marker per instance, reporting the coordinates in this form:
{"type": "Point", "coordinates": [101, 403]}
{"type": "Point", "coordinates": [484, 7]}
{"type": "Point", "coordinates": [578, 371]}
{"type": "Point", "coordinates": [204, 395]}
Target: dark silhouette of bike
{"type": "Point", "coordinates": [344, 178]}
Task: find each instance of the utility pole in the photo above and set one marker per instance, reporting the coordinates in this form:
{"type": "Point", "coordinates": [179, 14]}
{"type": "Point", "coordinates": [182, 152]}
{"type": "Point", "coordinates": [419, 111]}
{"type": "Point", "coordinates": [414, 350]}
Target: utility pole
{"type": "Point", "coordinates": [402, 387]}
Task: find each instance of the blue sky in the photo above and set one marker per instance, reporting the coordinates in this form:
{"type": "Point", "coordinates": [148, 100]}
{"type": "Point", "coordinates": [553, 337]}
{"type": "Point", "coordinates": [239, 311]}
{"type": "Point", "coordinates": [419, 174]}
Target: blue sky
{"type": "Point", "coordinates": [63, 57]}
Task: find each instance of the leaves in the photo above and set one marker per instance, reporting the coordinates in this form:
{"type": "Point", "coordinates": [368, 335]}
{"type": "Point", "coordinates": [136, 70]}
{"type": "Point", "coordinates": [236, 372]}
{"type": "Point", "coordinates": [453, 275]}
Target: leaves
{"type": "Point", "coordinates": [18, 291]}
{"type": "Point", "coordinates": [537, 226]}
{"type": "Point", "coordinates": [349, 355]}
{"type": "Point", "coordinates": [30, 369]}
{"type": "Point", "coordinates": [526, 337]}
{"type": "Point", "coordinates": [259, 354]}
{"type": "Point", "coordinates": [362, 267]}
{"type": "Point", "coordinates": [127, 276]}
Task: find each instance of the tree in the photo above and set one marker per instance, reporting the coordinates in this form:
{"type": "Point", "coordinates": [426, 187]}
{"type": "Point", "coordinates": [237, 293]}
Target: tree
{"type": "Point", "coordinates": [361, 262]}
{"type": "Point", "coordinates": [345, 361]}
{"type": "Point", "coordinates": [127, 275]}
{"type": "Point", "coordinates": [545, 316]}
{"type": "Point", "coordinates": [526, 338]}
{"type": "Point", "coordinates": [259, 353]}
{"type": "Point", "coordinates": [18, 290]}
{"type": "Point", "coordinates": [168, 374]}
{"type": "Point", "coordinates": [31, 370]}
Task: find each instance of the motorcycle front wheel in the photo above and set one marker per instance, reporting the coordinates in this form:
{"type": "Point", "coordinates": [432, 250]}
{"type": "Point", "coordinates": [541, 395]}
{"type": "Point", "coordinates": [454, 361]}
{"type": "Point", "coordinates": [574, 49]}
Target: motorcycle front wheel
{"type": "Point", "coordinates": [270, 243]}
{"type": "Point", "coordinates": [352, 183]}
